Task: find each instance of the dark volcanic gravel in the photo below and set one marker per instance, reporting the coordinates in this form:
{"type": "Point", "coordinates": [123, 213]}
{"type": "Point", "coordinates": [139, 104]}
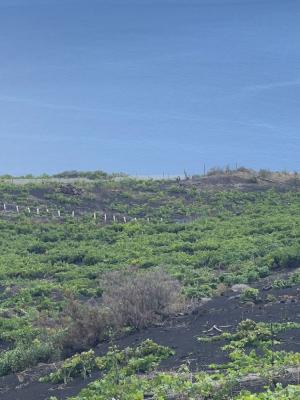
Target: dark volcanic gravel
{"type": "Point", "coordinates": [181, 334]}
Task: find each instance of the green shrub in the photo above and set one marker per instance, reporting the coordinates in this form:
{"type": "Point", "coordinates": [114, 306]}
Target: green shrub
{"type": "Point", "coordinates": [129, 361]}
{"type": "Point", "coordinates": [288, 257]}
{"type": "Point", "coordinates": [250, 294]}
{"type": "Point", "coordinates": [79, 365]}
{"type": "Point", "coordinates": [25, 355]}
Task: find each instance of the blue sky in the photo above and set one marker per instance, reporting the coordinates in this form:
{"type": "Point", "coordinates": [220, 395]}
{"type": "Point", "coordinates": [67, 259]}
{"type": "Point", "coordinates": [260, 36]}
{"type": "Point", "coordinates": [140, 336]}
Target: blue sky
{"type": "Point", "coordinates": [149, 86]}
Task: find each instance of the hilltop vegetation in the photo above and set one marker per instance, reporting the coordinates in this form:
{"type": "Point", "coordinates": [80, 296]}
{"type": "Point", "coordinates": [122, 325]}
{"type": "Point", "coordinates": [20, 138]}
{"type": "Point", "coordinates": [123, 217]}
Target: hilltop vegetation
{"type": "Point", "coordinates": [68, 283]}
{"type": "Point", "coordinates": [173, 200]}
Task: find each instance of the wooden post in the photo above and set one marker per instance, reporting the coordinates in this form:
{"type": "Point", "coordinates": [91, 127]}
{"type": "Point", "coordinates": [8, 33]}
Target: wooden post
{"type": "Point", "coordinates": [73, 214]}
{"type": "Point", "coordinates": [4, 207]}
{"type": "Point", "coordinates": [17, 208]}
{"type": "Point", "coordinates": [105, 218]}
{"type": "Point", "coordinates": [58, 213]}
{"type": "Point", "coordinates": [114, 218]}
{"type": "Point", "coordinates": [95, 215]}
{"type": "Point", "coordinates": [124, 218]}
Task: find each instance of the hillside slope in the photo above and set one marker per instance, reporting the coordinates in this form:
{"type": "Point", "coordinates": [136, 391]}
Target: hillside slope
{"type": "Point", "coordinates": [64, 278]}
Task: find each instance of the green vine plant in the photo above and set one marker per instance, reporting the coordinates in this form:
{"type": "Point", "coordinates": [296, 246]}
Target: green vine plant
{"type": "Point", "coordinates": [251, 348]}
{"type": "Point", "coordinates": [129, 361]}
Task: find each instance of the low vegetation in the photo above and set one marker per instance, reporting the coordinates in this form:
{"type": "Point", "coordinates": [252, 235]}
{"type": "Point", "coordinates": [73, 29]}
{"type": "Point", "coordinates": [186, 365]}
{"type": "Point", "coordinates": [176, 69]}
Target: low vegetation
{"type": "Point", "coordinates": [125, 379]}
{"type": "Point", "coordinates": [69, 283]}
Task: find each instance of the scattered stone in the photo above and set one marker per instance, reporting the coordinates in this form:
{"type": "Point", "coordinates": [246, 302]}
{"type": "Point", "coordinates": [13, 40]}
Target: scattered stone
{"type": "Point", "coordinates": [205, 300]}
{"type": "Point", "coordinates": [240, 288]}
{"type": "Point", "coordinates": [70, 190]}
{"type": "Point", "coordinates": [267, 288]}
{"type": "Point", "coordinates": [237, 296]}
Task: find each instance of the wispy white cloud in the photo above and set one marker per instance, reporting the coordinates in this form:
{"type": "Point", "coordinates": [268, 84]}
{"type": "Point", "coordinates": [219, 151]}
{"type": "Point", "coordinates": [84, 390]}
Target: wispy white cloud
{"type": "Point", "coordinates": [87, 112]}
{"type": "Point", "coordinates": [19, 3]}
{"type": "Point", "coordinates": [37, 103]}
{"type": "Point", "coordinates": [273, 85]}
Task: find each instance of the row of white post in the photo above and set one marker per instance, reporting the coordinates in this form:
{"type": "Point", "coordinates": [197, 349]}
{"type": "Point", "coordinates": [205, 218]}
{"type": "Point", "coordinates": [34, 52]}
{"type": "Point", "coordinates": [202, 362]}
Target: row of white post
{"type": "Point", "coordinates": [95, 215]}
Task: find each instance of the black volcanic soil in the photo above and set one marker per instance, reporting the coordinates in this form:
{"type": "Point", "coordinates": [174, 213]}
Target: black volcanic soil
{"type": "Point", "coordinates": [181, 334]}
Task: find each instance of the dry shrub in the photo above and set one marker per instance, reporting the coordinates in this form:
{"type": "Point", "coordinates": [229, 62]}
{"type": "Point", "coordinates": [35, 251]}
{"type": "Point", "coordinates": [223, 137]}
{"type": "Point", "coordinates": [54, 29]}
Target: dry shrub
{"type": "Point", "coordinates": [221, 289]}
{"type": "Point", "coordinates": [139, 299]}
{"type": "Point", "coordinates": [85, 324]}
{"type": "Point", "coordinates": [131, 298]}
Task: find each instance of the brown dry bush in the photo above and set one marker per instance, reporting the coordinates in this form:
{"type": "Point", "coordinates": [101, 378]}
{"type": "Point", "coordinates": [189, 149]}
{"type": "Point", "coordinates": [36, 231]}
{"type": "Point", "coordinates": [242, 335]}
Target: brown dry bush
{"type": "Point", "coordinates": [139, 299]}
{"type": "Point", "coordinates": [85, 325]}
{"type": "Point", "coordinates": [130, 298]}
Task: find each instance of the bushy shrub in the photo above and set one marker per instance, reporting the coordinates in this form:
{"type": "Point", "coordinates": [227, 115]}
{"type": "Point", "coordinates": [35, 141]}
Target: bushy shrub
{"type": "Point", "coordinates": [79, 365]}
{"type": "Point", "coordinates": [264, 173]}
{"type": "Point", "coordinates": [130, 298]}
{"type": "Point", "coordinates": [280, 284]}
{"type": "Point", "coordinates": [84, 325]}
{"type": "Point", "coordinates": [125, 362]}
{"type": "Point", "coordinates": [25, 355]}
{"type": "Point", "coordinates": [288, 257]}
{"type": "Point", "coordinates": [140, 299]}
{"type": "Point", "coordinates": [250, 294]}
